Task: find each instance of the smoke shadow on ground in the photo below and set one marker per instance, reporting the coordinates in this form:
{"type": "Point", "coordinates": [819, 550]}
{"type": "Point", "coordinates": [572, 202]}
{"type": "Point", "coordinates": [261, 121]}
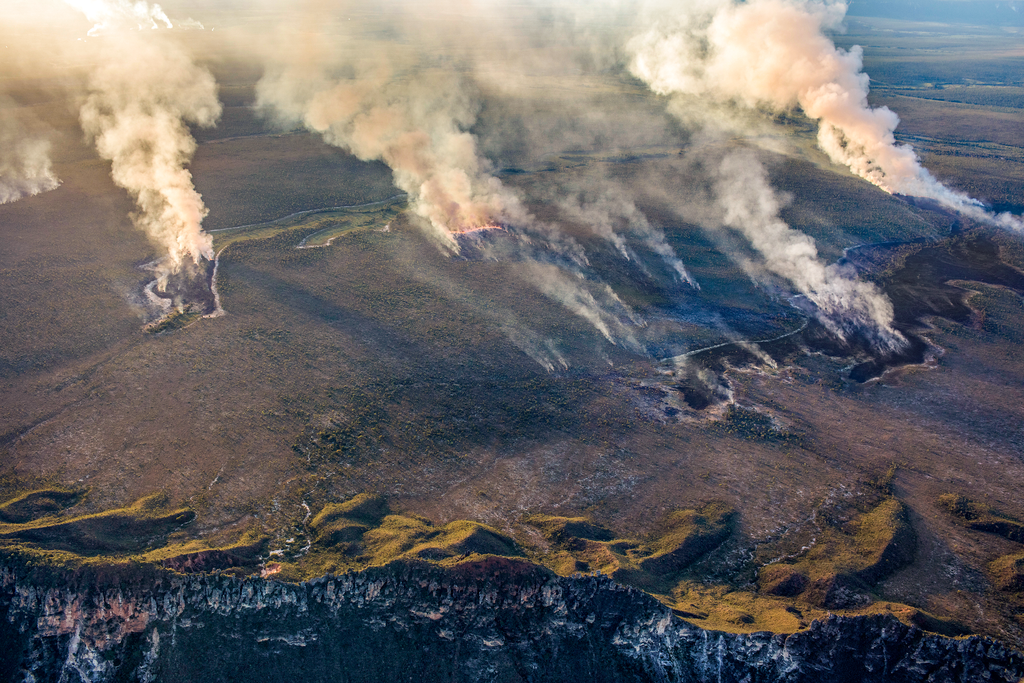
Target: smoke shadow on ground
{"type": "Point", "coordinates": [390, 345]}
{"type": "Point", "coordinates": [421, 400]}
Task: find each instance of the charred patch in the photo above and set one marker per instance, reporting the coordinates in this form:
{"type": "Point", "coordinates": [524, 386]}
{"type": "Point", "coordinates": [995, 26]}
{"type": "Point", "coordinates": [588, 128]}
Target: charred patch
{"type": "Point", "coordinates": [916, 277]}
{"type": "Point", "coordinates": [190, 287]}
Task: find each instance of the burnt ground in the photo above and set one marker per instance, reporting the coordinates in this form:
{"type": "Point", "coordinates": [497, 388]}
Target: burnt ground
{"type": "Point", "coordinates": [191, 287]}
{"type": "Point", "coordinates": [307, 393]}
{"type": "Point", "coordinates": [918, 278]}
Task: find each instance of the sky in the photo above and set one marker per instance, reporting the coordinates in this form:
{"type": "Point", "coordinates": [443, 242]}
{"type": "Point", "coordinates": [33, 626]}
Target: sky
{"type": "Point", "coordinates": [984, 12]}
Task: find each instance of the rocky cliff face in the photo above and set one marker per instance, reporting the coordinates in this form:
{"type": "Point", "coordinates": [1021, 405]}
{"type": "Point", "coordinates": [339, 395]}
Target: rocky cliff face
{"type": "Point", "coordinates": [493, 620]}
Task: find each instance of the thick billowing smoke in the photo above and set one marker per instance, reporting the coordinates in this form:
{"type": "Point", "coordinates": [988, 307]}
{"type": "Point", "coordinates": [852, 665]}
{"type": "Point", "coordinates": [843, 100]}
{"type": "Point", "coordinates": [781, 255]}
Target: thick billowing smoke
{"type": "Point", "coordinates": [140, 98]}
{"type": "Point", "coordinates": [411, 100]}
{"type": "Point", "coordinates": [845, 305]}
{"type": "Point", "coordinates": [413, 119]}
{"type": "Point", "coordinates": [775, 54]}
{"type": "Point", "coordinates": [25, 167]}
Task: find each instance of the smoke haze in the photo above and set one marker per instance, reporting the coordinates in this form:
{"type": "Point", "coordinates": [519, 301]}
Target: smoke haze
{"type": "Point", "coordinates": [382, 103]}
{"type": "Point", "coordinates": [118, 14]}
{"type": "Point", "coordinates": [25, 167]}
{"type": "Point", "coordinates": [413, 100]}
{"type": "Point", "coordinates": [448, 94]}
{"type": "Point", "coordinates": [845, 305]}
{"type": "Point", "coordinates": [607, 209]}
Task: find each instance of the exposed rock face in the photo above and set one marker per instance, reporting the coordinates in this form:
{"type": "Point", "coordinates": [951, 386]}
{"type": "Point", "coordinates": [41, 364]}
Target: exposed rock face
{"type": "Point", "coordinates": [494, 620]}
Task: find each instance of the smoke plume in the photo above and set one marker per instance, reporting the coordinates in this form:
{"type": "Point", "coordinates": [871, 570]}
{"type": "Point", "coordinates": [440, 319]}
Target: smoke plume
{"type": "Point", "coordinates": [140, 99]}
{"type": "Point", "coordinates": [598, 305]}
{"type": "Point", "coordinates": [775, 54]}
{"type": "Point", "coordinates": [25, 167]}
{"type": "Point", "coordinates": [413, 119]}
{"type": "Point", "coordinates": [607, 209]}
{"type": "Point", "coordinates": [411, 100]}
{"type": "Point", "coordinates": [843, 304]}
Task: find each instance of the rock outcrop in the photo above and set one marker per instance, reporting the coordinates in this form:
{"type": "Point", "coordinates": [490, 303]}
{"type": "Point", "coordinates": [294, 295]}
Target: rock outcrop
{"type": "Point", "coordinates": [492, 620]}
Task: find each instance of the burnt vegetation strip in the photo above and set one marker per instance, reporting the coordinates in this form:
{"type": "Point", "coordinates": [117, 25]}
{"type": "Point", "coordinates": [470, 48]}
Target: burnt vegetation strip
{"type": "Point", "coordinates": [916, 277]}
{"type": "Point", "coordinates": [917, 283]}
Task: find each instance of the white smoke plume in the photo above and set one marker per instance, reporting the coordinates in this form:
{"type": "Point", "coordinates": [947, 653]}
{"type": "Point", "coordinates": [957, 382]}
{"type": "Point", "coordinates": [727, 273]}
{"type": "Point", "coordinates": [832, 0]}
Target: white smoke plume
{"type": "Point", "coordinates": [413, 119]}
{"type": "Point", "coordinates": [25, 167]}
{"type": "Point", "coordinates": [603, 310]}
{"type": "Point", "coordinates": [140, 99]}
{"type": "Point", "coordinates": [776, 54]}
{"type": "Point", "coordinates": [410, 101]}
{"type": "Point", "coordinates": [844, 304]}
{"type": "Point", "coordinates": [610, 213]}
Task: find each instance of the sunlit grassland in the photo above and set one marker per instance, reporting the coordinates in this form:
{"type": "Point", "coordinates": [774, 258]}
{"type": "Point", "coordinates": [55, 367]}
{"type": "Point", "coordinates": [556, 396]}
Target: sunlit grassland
{"type": "Point", "coordinates": [320, 226]}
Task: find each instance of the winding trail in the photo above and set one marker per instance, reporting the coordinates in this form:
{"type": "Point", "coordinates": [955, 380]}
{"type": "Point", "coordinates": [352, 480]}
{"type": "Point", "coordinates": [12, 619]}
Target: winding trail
{"type": "Point", "coordinates": [310, 212]}
{"type": "Point", "coordinates": [676, 360]}
{"type": "Point", "coordinates": [218, 310]}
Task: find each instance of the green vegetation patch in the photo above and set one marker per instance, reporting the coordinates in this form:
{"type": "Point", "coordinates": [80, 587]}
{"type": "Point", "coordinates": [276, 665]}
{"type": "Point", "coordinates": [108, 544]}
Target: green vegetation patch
{"type": "Point", "coordinates": [981, 517]}
{"type": "Point", "coordinates": [784, 580]}
{"type": "Point", "coordinates": [41, 503]}
{"type": "Point", "coordinates": [399, 536]}
{"type": "Point", "coordinates": [240, 557]}
{"type": "Point", "coordinates": [941, 625]}
{"type": "Point", "coordinates": [139, 540]}
{"type": "Point", "coordinates": [466, 538]}
{"type": "Point", "coordinates": [561, 529]}
{"type": "Point", "coordinates": [846, 559]}
{"type": "Point", "coordinates": [363, 532]}
{"type": "Point", "coordinates": [365, 510]}
{"type": "Point", "coordinates": [685, 535]}
{"type": "Point", "coordinates": [654, 564]}
{"type": "Point", "coordinates": [1008, 572]}
{"type": "Point", "coordinates": [130, 529]}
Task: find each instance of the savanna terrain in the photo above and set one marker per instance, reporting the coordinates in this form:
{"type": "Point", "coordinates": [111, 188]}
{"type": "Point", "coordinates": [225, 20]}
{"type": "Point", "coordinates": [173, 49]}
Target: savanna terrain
{"type": "Point", "coordinates": [366, 396]}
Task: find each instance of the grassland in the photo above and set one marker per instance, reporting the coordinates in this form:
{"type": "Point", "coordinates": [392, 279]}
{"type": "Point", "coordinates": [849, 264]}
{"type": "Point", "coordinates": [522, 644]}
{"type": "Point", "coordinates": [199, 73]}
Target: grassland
{"type": "Point", "coordinates": [378, 366]}
{"type": "Point", "coordinates": [364, 532]}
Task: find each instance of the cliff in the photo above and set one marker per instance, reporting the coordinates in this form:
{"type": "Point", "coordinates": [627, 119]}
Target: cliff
{"type": "Point", "coordinates": [492, 620]}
